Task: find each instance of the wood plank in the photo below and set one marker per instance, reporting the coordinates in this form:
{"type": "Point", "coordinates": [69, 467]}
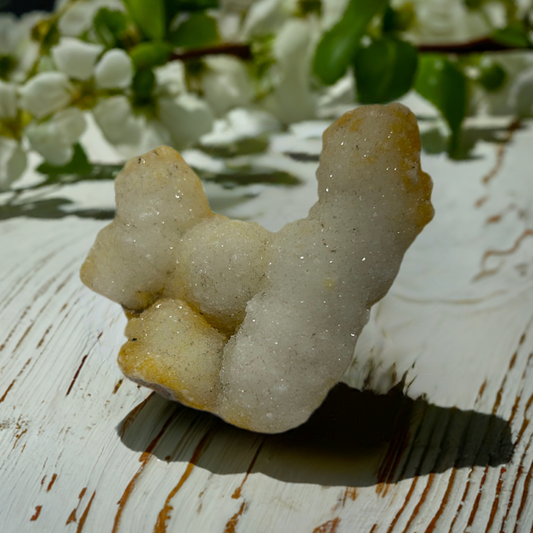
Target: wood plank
{"type": "Point", "coordinates": [84, 450]}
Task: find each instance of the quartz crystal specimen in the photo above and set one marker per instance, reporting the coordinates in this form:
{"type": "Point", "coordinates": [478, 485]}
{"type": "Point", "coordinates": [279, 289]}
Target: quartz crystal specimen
{"type": "Point", "coordinates": [251, 325]}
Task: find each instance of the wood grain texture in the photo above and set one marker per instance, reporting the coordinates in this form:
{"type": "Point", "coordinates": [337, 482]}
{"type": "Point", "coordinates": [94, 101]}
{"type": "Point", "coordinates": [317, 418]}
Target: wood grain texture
{"type": "Point", "coordinates": [449, 449]}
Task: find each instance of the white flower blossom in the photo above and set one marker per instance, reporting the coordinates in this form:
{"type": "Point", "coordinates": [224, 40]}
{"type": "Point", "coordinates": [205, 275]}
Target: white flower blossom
{"type": "Point", "coordinates": [292, 99]}
{"type": "Point", "coordinates": [45, 93]}
{"type": "Point", "coordinates": [16, 42]}
{"type": "Point", "coordinates": [13, 162]}
{"type": "Point", "coordinates": [79, 16]}
{"type": "Point", "coordinates": [8, 100]}
{"type": "Point", "coordinates": [264, 17]}
{"type": "Point", "coordinates": [115, 118]}
{"type": "Point", "coordinates": [508, 99]}
{"type": "Point", "coordinates": [114, 70]}
{"type": "Point", "coordinates": [76, 58]}
{"type": "Point", "coordinates": [332, 12]}
{"type": "Point", "coordinates": [170, 79]}
{"type": "Point", "coordinates": [54, 139]}
{"type": "Point", "coordinates": [154, 134]}
{"type": "Point", "coordinates": [226, 84]}
{"type": "Point", "coordinates": [446, 21]}
{"type": "Point", "coordinates": [186, 117]}
{"type": "Point", "coordinates": [9, 34]}
{"type": "Point", "coordinates": [521, 94]}
{"type": "Point", "coordinates": [239, 124]}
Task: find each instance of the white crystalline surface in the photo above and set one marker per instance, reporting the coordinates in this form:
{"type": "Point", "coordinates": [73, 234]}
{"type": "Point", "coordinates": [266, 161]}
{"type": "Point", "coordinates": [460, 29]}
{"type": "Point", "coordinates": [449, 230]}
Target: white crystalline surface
{"type": "Point", "coordinates": [255, 326]}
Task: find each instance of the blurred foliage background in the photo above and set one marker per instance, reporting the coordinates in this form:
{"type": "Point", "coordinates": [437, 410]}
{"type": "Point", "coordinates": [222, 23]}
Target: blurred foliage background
{"type": "Point", "coordinates": [222, 73]}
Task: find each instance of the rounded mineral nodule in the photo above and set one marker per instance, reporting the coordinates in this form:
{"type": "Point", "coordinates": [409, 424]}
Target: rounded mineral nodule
{"type": "Point", "coordinates": [251, 325]}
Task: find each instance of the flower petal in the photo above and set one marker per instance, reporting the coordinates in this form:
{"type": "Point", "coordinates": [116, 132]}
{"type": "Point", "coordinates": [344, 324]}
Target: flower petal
{"type": "Point", "coordinates": [114, 70]}
{"type": "Point", "coordinates": [54, 139]}
{"type": "Point", "coordinates": [76, 58]}
{"type": "Point", "coordinates": [8, 100]}
{"type": "Point", "coordinates": [186, 117]}
{"type": "Point", "coordinates": [13, 162]}
{"type": "Point", "coordinates": [45, 93]}
{"type": "Point", "coordinates": [115, 118]}
{"type": "Point", "coordinates": [226, 84]}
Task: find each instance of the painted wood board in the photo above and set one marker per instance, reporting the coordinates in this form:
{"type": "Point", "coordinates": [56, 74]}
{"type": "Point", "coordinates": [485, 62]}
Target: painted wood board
{"type": "Point", "coordinates": [449, 449]}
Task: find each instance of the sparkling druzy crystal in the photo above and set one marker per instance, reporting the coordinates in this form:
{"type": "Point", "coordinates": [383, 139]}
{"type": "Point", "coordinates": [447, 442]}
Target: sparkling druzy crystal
{"type": "Point", "coordinates": [251, 325]}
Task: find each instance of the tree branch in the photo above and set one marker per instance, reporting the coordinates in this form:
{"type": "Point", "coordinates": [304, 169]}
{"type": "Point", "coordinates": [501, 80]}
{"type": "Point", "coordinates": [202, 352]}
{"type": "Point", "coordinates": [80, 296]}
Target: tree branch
{"type": "Point", "coordinates": [243, 51]}
{"type": "Point", "coordinates": [486, 44]}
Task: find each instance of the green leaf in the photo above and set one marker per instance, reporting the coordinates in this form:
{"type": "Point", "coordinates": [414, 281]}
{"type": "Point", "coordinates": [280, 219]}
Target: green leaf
{"type": "Point", "coordinates": [7, 66]}
{"type": "Point", "coordinates": [492, 76]}
{"type": "Point", "coordinates": [337, 47]}
{"type": "Point", "coordinates": [306, 7]}
{"type": "Point", "coordinates": [177, 6]}
{"type": "Point", "coordinates": [143, 83]}
{"type": "Point", "coordinates": [46, 33]}
{"type": "Point", "coordinates": [109, 25]}
{"type": "Point", "coordinates": [197, 31]}
{"type": "Point", "coordinates": [385, 70]}
{"type": "Point", "coordinates": [79, 164]}
{"type": "Point", "coordinates": [515, 35]}
{"type": "Point", "coordinates": [442, 83]}
{"type": "Point", "coordinates": [150, 54]}
{"type": "Point", "coordinates": [473, 4]}
{"type": "Point", "coordinates": [149, 16]}
{"type": "Point", "coordinates": [399, 19]}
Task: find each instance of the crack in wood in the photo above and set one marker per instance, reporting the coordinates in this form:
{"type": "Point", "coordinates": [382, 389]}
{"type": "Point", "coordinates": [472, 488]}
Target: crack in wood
{"type": "Point", "coordinates": [143, 459]}
{"type": "Point", "coordinates": [496, 500]}
{"type": "Point", "coordinates": [500, 253]}
{"type": "Point", "coordinates": [84, 358]}
{"type": "Point", "coordinates": [518, 476]}
{"type": "Point", "coordinates": [72, 517]}
{"type": "Point", "coordinates": [51, 484]}
{"type": "Point", "coordinates": [117, 385]}
{"type": "Point", "coordinates": [164, 514]}
{"type": "Point", "coordinates": [238, 490]}
{"type": "Point", "coordinates": [83, 518]}
{"type": "Point", "coordinates": [327, 527]}
{"type": "Point", "coordinates": [433, 524]}
{"type": "Point", "coordinates": [525, 493]}
{"type": "Point", "coordinates": [128, 421]}
{"type": "Point", "coordinates": [37, 513]}
{"type": "Point", "coordinates": [44, 336]}
{"type": "Point", "coordinates": [420, 502]}
{"type": "Point", "coordinates": [234, 520]}
{"type": "Point", "coordinates": [349, 493]}
{"type": "Point", "coordinates": [14, 328]}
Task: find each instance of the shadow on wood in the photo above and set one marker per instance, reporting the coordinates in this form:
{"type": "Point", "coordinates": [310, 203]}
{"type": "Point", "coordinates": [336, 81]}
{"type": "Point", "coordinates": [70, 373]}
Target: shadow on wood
{"type": "Point", "coordinates": [52, 208]}
{"type": "Point", "coordinates": [354, 439]}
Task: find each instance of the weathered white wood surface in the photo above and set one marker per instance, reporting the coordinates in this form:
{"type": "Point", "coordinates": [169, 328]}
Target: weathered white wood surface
{"type": "Point", "coordinates": [81, 449]}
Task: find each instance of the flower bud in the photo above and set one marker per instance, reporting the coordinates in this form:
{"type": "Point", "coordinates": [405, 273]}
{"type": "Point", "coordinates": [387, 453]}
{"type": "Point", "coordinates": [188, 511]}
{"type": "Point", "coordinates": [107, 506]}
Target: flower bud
{"type": "Point", "coordinates": [8, 100]}
{"type": "Point", "coordinates": [10, 34]}
{"type": "Point", "coordinates": [186, 117]}
{"type": "Point", "coordinates": [114, 70]}
{"type": "Point", "coordinates": [76, 58]}
{"type": "Point", "coordinates": [54, 139]}
{"type": "Point", "coordinates": [45, 93]}
{"type": "Point", "coordinates": [12, 162]}
{"type": "Point", "coordinates": [226, 84]}
{"type": "Point", "coordinates": [264, 17]}
{"type": "Point", "coordinates": [78, 18]}
{"type": "Point", "coordinates": [115, 118]}
{"type": "Point", "coordinates": [292, 99]}
{"type": "Point", "coordinates": [521, 94]}
{"type": "Point", "coordinates": [170, 79]}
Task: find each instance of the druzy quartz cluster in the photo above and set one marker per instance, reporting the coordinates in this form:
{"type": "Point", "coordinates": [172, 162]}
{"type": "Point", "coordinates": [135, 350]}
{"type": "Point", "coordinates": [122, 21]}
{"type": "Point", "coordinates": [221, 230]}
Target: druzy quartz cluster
{"type": "Point", "coordinates": [252, 325]}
